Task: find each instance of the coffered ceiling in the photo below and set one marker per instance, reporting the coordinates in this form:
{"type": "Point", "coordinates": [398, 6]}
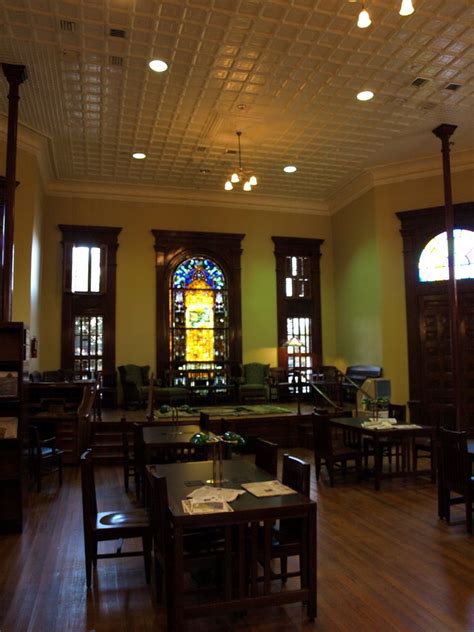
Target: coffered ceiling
{"type": "Point", "coordinates": [284, 72]}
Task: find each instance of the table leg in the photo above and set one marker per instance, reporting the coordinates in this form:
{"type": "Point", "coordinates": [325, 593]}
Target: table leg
{"type": "Point", "coordinates": [377, 463]}
{"type": "Point", "coordinates": [175, 581]}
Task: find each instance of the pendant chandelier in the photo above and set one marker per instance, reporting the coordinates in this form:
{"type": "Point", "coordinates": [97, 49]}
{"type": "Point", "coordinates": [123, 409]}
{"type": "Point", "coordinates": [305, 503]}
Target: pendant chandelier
{"type": "Point", "coordinates": [244, 177]}
{"type": "Point", "coordinates": [363, 20]}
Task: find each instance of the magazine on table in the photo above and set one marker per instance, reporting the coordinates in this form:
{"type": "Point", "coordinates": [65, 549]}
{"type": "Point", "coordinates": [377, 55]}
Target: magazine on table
{"type": "Point", "coordinates": [268, 488]}
{"type": "Point", "coordinates": [194, 507]}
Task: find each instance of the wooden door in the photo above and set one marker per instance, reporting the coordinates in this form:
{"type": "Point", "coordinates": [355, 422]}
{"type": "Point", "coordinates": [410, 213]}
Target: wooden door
{"type": "Point", "coordinates": [428, 328]}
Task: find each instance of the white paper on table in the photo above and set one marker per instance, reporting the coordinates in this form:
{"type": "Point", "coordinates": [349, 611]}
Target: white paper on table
{"type": "Point", "coordinates": [211, 494]}
{"type": "Point", "coordinates": [268, 488]}
{"type": "Point", "coordinates": [194, 507]}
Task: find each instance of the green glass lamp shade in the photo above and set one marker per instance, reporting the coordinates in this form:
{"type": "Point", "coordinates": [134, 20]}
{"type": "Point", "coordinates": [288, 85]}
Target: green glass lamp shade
{"type": "Point", "coordinates": [233, 437]}
{"type": "Point", "coordinates": [200, 438]}
{"type": "Point", "coordinates": [165, 409]}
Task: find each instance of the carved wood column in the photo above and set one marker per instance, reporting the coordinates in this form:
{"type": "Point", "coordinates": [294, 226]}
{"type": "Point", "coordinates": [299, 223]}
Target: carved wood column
{"type": "Point", "coordinates": [444, 132]}
{"type": "Point", "coordinates": [15, 76]}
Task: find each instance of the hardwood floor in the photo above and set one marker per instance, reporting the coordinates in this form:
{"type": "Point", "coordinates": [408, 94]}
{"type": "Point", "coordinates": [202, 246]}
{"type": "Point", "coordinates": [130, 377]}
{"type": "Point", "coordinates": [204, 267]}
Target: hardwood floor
{"type": "Point", "coordinates": [385, 563]}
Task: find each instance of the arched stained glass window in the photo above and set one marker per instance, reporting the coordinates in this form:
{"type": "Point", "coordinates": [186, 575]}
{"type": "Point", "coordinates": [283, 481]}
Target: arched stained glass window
{"type": "Point", "coordinates": [433, 262]}
{"type": "Point", "coordinates": [199, 316]}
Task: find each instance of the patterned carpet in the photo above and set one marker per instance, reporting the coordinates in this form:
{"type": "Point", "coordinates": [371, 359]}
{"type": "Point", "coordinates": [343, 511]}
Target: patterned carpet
{"type": "Point", "coordinates": [227, 411]}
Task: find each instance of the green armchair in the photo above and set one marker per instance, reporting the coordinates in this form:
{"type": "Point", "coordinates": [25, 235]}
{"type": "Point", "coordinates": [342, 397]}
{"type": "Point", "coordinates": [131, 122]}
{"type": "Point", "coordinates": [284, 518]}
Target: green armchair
{"type": "Point", "coordinates": [134, 380]}
{"type": "Point", "coordinates": [255, 382]}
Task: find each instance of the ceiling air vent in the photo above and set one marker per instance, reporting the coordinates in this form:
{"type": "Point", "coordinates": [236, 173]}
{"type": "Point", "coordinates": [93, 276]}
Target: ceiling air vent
{"type": "Point", "coordinates": [428, 105]}
{"type": "Point", "coordinates": [115, 60]}
{"type": "Point", "coordinates": [419, 81]}
{"type": "Point", "coordinates": [231, 152]}
{"type": "Point", "coordinates": [117, 33]}
{"type": "Point", "coordinates": [453, 86]}
{"type": "Point", "coordinates": [67, 26]}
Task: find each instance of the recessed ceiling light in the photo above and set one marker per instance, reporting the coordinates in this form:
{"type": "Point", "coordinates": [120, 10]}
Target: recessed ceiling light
{"type": "Point", "coordinates": [138, 155]}
{"type": "Point", "coordinates": [365, 95]}
{"type": "Point", "coordinates": [289, 169]}
{"type": "Point", "coordinates": [158, 65]}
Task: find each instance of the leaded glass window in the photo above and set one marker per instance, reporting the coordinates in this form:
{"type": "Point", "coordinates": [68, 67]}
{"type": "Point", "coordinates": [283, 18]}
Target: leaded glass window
{"type": "Point", "coordinates": [299, 356]}
{"type": "Point", "coordinates": [298, 277]}
{"type": "Point", "coordinates": [198, 315]}
{"type": "Point", "coordinates": [433, 262]}
{"type": "Point", "coordinates": [88, 345]}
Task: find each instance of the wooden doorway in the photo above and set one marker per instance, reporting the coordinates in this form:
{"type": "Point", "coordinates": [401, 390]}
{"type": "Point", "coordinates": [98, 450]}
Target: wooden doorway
{"type": "Point", "coordinates": [429, 339]}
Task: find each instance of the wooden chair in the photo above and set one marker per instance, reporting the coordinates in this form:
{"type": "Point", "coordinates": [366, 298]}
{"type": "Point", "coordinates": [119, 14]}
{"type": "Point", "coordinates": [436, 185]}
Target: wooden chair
{"type": "Point", "coordinates": [266, 456]}
{"type": "Point", "coordinates": [287, 536]}
{"type": "Point", "coordinates": [331, 451]}
{"type": "Point", "coordinates": [44, 457]}
{"type": "Point", "coordinates": [110, 525]}
{"type": "Point", "coordinates": [389, 447]}
{"type": "Point", "coordinates": [127, 454]}
{"type": "Point", "coordinates": [455, 475]}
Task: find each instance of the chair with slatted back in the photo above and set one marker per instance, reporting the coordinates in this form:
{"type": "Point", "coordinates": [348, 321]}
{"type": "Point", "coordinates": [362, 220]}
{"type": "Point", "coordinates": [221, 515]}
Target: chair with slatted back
{"type": "Point", "coordinates": [128, 455]}
{"type": "Point", "coordinates": [455, 474]}
{"type": "Point", "coordinates": [389, 447]}
{"type": "Point", "coordinates": [287, 535]}
{"type": "Point", "coordinates": [329, 449]}
{"type": "Point", "coordinates": [110, 525]}
{"type": "Point", "coordinates": [266, 456]}
{"type": "Point", "coordinates": [44, 457]}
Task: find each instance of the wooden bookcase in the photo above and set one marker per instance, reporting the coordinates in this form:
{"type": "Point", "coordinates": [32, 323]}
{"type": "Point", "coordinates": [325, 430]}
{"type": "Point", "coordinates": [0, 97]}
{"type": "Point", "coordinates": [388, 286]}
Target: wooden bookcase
{"type": "Point", "coordinates": [13, 353]}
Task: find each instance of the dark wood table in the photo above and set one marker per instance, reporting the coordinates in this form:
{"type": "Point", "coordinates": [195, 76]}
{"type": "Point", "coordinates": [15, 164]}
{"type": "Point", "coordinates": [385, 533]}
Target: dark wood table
{"type": "Point", "coordinates": [242, 588]}
{"type": "Point", "coordinates": [399, 431]}
{"type": "Point", "coordinates": [164, 443]}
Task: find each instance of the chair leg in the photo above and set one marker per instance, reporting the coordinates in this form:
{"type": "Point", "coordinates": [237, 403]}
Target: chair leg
{"type": "Point", "coordinates": [469, 515]}
{"type": "Point", "coordinates": [284, 568]}
{"type": "Point", "coordinates": [88, 560]}
{"type": "Point", "coordinates": [125, 476]}
{"type": "Point", "coordinates": [147, 556]}
{"type": "Point", "coordinates": [60, 470]}
{"type": "Point", "coordinates": [318, 467]}
{"type": "Point", "coordinates": [330, 469]}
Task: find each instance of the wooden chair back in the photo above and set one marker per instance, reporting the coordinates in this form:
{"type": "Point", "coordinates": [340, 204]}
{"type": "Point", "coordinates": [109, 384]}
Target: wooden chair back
{"type": "Point", "coordinates": [398, 412]}
{"type": "Point", "coordinates": [266, 456]}
{"type": "Point", "coordinates": [454, 461]}
{"type": "Point", "coordinates": [296, 474]}
{"type": "Point", "coordinates": [158, 512]}
{"type": "Point", "coordinates": [322, 436]}
{"type": "Point", "coordinates": [89, 498]}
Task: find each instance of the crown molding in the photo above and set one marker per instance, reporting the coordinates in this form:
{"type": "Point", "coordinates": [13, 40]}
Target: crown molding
{"type": "Point", "coordinates": [213, 199]}
{"type": "Point", "coordinates": [33, 142]}
{"type": "Point", "coordinates": [392, 173]}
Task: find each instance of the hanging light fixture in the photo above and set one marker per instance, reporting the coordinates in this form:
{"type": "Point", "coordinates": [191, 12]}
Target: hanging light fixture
{"type": "Point", "coordinates": [406, 8]}
{"type": "Point", "coordinates": [363, 19]}
{"type": "Point", "coordinates": [242, 176]}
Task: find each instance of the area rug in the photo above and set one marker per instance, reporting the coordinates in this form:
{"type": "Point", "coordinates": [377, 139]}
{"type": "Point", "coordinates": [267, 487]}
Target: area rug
{"type": "Point", "coordinates": [225, 411]}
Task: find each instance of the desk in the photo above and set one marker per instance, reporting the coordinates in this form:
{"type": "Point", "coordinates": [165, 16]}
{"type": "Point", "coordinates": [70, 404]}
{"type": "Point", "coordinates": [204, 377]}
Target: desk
{"type": "Point", "coordinates": [399, 431]}
{"type": "Point", "coordinates": [242, 586]}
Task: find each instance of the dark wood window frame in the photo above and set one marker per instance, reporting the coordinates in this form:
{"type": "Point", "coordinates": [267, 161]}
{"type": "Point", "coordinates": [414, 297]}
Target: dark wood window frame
{"type": "Point", "coordinates": [173, 247]}
{"type": "Point", "coordinates": [418, 227]}
{"type": "Point", "coordinates": [303, 307]}
{"type": "Point", "coordinates": [90, 303]}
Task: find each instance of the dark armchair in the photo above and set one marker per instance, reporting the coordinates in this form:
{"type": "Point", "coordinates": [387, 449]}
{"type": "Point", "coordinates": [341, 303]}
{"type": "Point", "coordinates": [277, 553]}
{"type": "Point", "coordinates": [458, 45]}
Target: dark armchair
{"type": "Point", "coordinates": [255, 382]}
{"type": "Point", "coordinates": [134, 380]}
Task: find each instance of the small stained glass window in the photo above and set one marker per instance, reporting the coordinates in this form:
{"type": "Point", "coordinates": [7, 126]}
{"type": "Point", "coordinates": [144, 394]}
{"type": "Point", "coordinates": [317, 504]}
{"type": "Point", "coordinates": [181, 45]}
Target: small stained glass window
{"type": "Point", "coordinates": [433, 262]}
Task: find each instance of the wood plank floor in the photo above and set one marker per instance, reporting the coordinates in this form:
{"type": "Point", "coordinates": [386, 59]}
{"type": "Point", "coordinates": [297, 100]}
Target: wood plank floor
{"type": "Point", "coordinates": [385, 564]}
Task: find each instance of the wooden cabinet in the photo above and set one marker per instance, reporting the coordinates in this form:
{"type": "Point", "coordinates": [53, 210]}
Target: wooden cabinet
{"type": "Point", "coordinates": [13, 352]}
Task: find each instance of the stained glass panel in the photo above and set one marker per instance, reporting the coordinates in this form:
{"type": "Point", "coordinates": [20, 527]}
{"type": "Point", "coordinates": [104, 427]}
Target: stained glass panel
{"type": "Point", "coordinates": [198, 313]}
{"type": "Point", "coordinates": [433, 262]}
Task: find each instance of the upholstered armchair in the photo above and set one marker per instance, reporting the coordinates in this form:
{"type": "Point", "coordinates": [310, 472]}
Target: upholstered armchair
{"type": "Point", "coordinates": [255, 382]}
{"type": "Point", "coordinates": [134, 380]}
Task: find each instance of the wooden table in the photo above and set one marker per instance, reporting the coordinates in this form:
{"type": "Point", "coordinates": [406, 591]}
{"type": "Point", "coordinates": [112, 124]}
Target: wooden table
{"type": "Point", "coordinates": [242, 586]}
{"type": "Point", "coordinates": [163, 443]}
{"type": "Point", "coordinates": [399, 431]}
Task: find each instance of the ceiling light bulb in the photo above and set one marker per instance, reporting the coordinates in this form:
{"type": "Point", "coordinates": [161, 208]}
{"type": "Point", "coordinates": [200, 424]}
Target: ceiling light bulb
{"type": "Point", "coordinates": [228, 186]}
{"type": "Point", "coordinates": [365, 95]}
{"type": "Point", "coordinates": [253, 181]}
{"type": "Point", "coordinates": [406, 8]}
{"type": "Point", "coordinates": [158, 65]}
{"type": "Point", "coordinates": [364, 19]}
{"type": "Point", "coordinates": [289, 169]}
{"type": "Point", "coordinates": [138, 155]}
{"type": "Point", "coordinates": [247, 186]}
{"type": "Point", "coordinates": [235, 178]}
